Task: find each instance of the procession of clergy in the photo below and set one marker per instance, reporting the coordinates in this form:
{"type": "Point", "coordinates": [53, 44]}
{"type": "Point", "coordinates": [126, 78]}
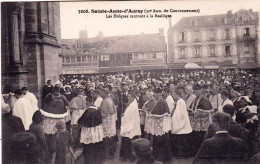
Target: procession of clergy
{"type": "Point", "coordinates": [209, 127]}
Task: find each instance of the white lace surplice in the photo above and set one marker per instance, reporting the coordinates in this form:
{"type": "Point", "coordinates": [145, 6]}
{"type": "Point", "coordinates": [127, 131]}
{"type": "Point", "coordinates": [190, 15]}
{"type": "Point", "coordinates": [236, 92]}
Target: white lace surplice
{"type": "Point", "coordinates": [157, 125]}
{"type": "Point", "coordinates": [109, 125]}
{"type": "Point", "coordinates": [91, 134]}
{"type": "Point", "coordinates": [49, 124]}
{"type": "Point", "coordinates": [76, 114]}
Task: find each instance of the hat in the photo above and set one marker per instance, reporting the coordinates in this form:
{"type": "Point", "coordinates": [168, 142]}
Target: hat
{"type": "Point", "coordinates": [60, 125]}
{"type": "Point", "coordinates": [105, 90]}
{"type": "Point", "coordinates": [166, 89]}
{"type": "Point", "coordinates": [80, 87]}
{"type": "Point", "coordinates": [158, 90]}
{"type": "Point", "coordinates": [141, 145]}
{"type": "Point", "coordinates": [58, 82]}
{"type": "Point", "coordinates": [123, 84]}
{"type": "Point", "coordinates": [230, 109]}
{"type": "Point", "coordinates": [67, 86]}
{"type": "Point", "coordinates": [257, 89]}
{"type": "Point", "coordinates": [251, 109]}
{"type": "Point", "coordinates": [201, 82]}
{"type": "Point", "coordinates": [189, 87]}
{"type": "Point", "coordinates": [196, 87]}
{"type": "Point", "coordinates": [5, 108]}
{"type": "Point", "coordinates": [246, 98]}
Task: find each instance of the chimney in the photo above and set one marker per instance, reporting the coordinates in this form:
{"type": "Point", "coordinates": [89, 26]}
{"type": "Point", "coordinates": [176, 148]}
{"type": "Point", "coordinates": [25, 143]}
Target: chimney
{"type": "Point", "coordinates": [170, 22]}
{"type": "Point", "coordinates": [229, 12]}
{"type": "Point", "coordinates": [83, 34]}
{"type": "Point", "coordinates": [161, 31]}
{"type": "Point", "coordinates": [100, 34]}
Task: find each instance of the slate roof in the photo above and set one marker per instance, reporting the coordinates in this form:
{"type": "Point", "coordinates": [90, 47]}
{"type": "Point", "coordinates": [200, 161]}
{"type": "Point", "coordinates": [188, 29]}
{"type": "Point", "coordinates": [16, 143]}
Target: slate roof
{"type": "Point", "coordinates": [213, 20]}
{"type": "Point", "coordinates": [137, 43]}
{"type": "Point", "coordinates": [116, 44]}
{"type": "Point", "coordinates": [203, 21]}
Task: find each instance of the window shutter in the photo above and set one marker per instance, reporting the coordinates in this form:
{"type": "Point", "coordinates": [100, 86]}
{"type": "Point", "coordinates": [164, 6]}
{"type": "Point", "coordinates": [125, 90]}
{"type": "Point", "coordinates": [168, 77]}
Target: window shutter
{"type": "Point", "coordinates": [223, 33]}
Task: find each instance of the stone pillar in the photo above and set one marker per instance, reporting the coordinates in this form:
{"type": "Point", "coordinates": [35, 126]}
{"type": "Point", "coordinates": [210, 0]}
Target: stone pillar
{"type": "Point", "coordinates": [16, 58]}
{"type": "Point", "coordinates": [30, 13]}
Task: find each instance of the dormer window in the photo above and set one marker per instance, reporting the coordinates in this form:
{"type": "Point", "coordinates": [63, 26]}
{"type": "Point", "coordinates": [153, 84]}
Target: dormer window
{"type": "Point", "coordinates": [181, 37]}
{"type": "Point", "coordinates": [224, 20]}
{"type": "Point", "coordinates": [194, 23]}
{"type": "Point", "coordinates": [246, 18]}
{"type": "Point", "coordinates": [79, 44]}
{"type": "Point", "coordinates": [210, 21]}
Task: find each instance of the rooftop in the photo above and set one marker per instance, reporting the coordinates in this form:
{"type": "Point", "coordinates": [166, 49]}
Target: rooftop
{"type": "Point", "coordinates": [214, 20]}
{"type": "Point", "coordinates": [115, 44]}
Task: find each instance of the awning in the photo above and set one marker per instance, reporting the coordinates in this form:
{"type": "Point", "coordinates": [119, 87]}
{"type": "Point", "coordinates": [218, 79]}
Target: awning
{"type": "Point", "coordinates": [192, 66]}
{"type": "Point", "coordinates": [247, 65]}
{"type": "Point", "coordinates": [211, 67]}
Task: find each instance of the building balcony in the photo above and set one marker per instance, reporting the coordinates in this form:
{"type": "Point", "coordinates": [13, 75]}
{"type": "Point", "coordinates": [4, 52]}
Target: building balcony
{"type": "Point", "coordinates": [227, 38]}
{"type": "Point", "coordinates": [212, 55]}
{"type": "Point", "coordinates": [147, 61]}
{"type": "Point", "coordinates": [196, 40]}
{"type": "Point", "coordinates": [182, 57]}
{"type": "Point", "coordinates": [246, 52]}
{"type": "Point", "coordinates": [212, 39]}
{"type": "Point", "coordinates": [246, 39]}
{"type": "Point", "coordinates": [227, 54]}
{"type": "Point", "coordinates": [197, 56]}
{"type": "Point", "coordinates": [181, 41]}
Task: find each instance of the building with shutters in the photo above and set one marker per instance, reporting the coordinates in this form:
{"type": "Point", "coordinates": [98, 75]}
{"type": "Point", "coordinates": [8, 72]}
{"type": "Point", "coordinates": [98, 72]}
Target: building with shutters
{"type": "Point", "coordinates": [228, 40]}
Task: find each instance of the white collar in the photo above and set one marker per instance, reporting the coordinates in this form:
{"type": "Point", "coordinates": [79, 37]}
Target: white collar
{"type": "Point", "coordinates": [221, 132]}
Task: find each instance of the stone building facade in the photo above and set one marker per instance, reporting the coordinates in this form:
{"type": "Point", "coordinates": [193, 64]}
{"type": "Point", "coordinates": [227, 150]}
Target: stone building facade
{"type": "Point", "coordinates": [30, 39]}
{"type": "Point", "coordinates": [213, 41]}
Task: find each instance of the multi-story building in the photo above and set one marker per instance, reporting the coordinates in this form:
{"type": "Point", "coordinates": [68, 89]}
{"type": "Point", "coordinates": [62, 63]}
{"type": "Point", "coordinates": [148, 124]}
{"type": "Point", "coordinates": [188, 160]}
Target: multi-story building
{"type": "Point", "coordinates": [114, 54]}
{"type": "Point", "coordinates": [213, 41]}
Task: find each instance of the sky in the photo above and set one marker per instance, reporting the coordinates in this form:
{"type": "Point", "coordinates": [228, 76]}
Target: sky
{"type": "Point", "coordinates": [72, 22]}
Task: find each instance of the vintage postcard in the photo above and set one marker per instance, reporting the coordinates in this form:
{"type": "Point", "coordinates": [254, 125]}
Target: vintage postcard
{"type": "Point", "coordinates": [130, 81]}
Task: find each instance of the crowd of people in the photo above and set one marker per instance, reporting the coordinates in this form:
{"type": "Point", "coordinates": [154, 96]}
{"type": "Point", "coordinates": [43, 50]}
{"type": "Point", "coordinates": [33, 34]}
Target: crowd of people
{"type": "Point", "coordinates": [212, 116]}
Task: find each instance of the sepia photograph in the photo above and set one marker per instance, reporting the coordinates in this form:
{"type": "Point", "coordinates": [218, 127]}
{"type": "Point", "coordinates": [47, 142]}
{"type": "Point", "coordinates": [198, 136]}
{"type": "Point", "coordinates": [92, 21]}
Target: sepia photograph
{"type": "Point", "coordinates": [121, 82]}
